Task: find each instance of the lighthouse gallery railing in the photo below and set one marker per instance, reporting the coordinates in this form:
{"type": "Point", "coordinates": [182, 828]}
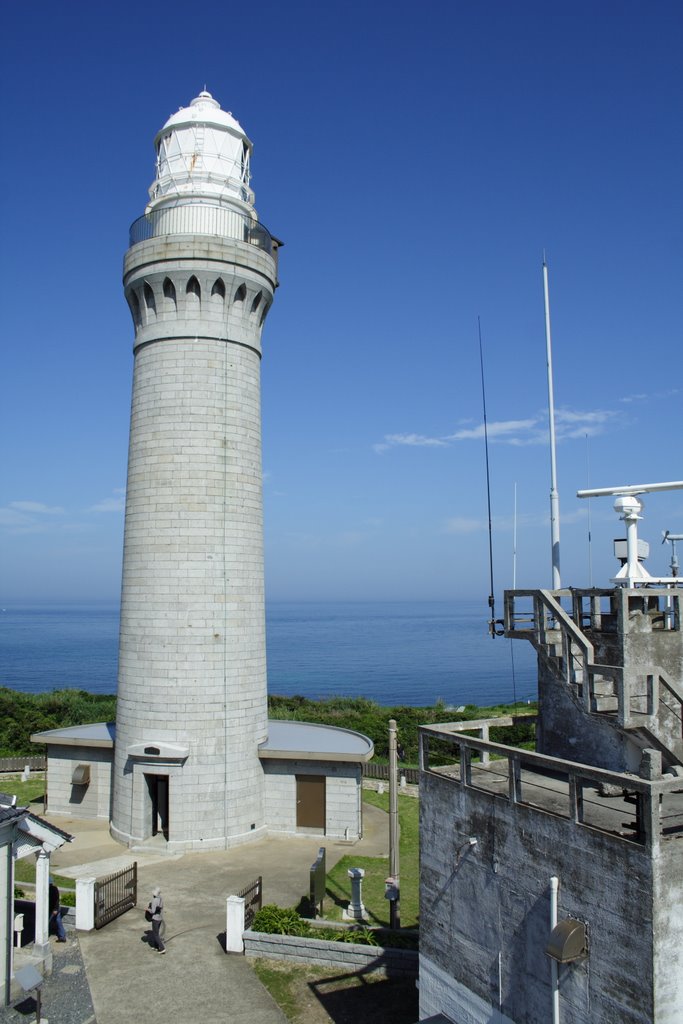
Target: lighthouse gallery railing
{"type": "Point", "coordinates": [203, 220]}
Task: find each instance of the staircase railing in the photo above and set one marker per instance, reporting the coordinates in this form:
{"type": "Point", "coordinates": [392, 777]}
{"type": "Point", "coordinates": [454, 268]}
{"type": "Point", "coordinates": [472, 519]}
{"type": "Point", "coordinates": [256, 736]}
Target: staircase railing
{"type": "Point", "coordinates": [638, 703]}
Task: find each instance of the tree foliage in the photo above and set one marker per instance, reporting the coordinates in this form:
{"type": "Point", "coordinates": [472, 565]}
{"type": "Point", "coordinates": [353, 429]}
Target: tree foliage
{"type": "Point", "coordinates": [372, 719]}
{"type": "Point", "coordinates": [22, 714]}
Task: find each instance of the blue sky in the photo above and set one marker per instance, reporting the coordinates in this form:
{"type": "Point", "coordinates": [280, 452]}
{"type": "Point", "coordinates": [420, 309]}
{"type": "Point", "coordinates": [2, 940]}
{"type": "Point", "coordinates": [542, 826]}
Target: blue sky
{"type": "Point", "coordinates": [416, 160]}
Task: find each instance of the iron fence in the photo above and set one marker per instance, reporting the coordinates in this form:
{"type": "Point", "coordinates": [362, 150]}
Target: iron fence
{"type": "Point", "coordinates": [381, 771]}
{"type": "Point", "coordinates": [115, 894]}
{"type": "Point", "coordinates": [17, 764]}
{"type": "Point", "coordinates": [252, 895]}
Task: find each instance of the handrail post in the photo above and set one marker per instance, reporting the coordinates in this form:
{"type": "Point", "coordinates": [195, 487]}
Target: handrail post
{"type": "Point", "coordinates": [575, 799]}
{"type": "Point", "coordinates": [514, 779]}
{"type": "Point", "coordinates": [465, 765]}
{"type": "Point", "coordinates": [484, 735]}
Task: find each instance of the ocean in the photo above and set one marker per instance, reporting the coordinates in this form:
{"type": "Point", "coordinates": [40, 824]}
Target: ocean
{"type": "Point", "coordinates": [414, 653]}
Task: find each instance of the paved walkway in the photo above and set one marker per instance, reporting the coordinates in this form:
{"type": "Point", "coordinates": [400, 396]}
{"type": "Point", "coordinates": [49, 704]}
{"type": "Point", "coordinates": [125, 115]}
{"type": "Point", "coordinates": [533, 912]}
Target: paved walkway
{"type": "Point", "coordinates": [195, 982]}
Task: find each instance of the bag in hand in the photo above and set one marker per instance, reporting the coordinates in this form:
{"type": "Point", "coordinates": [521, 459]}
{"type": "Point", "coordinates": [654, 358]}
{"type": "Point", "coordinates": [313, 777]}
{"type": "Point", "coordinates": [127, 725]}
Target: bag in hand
{"type": "Point", "coordinates": [148, 913]}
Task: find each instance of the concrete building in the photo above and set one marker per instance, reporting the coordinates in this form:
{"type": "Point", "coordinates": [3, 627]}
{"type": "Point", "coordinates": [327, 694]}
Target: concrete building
{"type": "Point", "coordinates": [552, 880]}
{"type": "Point", "coordinates": [193, 759]}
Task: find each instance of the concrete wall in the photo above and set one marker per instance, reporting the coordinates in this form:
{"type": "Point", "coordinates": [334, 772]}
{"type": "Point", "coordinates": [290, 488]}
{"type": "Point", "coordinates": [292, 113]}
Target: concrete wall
{"type": "Point", "coordinates": [565, 730]}
{"type": "Point", "coordinates": [346, 956]}
{"type": "Point", "coordinates": [91, 801]}
{"type": "Point", "coordinates": [484, 914]}
{"type": "Point", "coordinates": [342, 795]}
{"type": "Point", "coordinates": [668, 927]}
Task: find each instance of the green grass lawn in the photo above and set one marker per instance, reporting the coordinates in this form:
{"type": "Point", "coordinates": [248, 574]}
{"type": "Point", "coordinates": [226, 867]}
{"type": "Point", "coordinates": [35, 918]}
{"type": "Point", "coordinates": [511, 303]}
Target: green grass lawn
{"type": "Point", "coordinates": [377, 869]}
{"type": "Point", "coordinates": [25, 792]}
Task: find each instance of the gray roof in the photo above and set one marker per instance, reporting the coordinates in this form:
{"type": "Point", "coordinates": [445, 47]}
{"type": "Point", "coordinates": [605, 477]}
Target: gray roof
{"type": "Point", "coordinates": [307, 740]}
{"type": "Point", "coordinates": [8, 813]}
{"type": "Point", "coordinates": [290, 740]}
{"type": "Point", "coordinates": [98, 734]}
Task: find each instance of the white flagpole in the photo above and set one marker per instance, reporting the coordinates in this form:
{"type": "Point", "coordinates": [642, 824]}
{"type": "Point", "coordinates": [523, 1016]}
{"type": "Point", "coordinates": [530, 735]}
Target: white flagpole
{"type": "Point", "coordinates": [554, 496]}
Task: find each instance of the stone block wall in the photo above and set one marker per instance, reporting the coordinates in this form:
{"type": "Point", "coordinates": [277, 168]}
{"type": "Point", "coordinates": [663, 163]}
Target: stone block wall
{"type": "Point", "coordinates": [91, 801]}
{"type": "Point", "coordinates": [342, 795]}
{"type": "Point", "coordinates": [192, 667]}
{"type": "Point", "coordinates": [345, 956]}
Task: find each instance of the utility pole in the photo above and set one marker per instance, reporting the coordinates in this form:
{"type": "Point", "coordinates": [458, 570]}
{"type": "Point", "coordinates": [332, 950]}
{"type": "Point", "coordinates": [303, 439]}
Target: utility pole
{"type": "Point", "coordinates": [394, 903]}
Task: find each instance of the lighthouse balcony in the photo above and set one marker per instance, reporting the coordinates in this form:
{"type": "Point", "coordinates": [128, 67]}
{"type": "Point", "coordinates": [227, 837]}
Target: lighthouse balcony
{"type": "Point", "coordinates": [202, 219]}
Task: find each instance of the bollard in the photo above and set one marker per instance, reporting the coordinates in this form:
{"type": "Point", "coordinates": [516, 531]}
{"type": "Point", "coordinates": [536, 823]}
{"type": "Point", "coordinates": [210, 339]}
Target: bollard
{"type": "Point", "coordinates": [355, 910]}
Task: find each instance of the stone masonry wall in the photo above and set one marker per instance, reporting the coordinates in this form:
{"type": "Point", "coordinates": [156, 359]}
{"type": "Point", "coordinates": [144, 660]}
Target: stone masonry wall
{"type": "Point", "coordinates": [346, 956]}
{"type": "Point", "coordinates": [192, 667]}
{"type": "Point", "coordinates": [342, 795]}
{"type": "Point", "coordinates": [91, 801]}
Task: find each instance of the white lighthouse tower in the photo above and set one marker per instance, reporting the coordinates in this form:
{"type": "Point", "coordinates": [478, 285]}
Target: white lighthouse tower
{"type": "Point", "coordinates": [199, 278]}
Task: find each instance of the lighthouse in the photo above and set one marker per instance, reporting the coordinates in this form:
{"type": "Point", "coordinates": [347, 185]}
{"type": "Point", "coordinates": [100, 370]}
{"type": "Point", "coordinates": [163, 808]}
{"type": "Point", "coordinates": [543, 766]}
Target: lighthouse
{"type": "Point", "coordinates": [199, 278]}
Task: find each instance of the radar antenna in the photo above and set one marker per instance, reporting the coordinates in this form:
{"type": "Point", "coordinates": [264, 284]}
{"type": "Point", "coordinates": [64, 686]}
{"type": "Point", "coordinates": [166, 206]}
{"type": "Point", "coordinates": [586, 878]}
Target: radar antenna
{"type": "Point", "coordinates": [628, 506]}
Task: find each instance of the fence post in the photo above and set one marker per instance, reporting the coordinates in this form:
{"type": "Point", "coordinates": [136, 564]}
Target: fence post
{"type": "Point", "coordinates": [234, 924]}
{"type": "Point", "coordinates": [85, 904]}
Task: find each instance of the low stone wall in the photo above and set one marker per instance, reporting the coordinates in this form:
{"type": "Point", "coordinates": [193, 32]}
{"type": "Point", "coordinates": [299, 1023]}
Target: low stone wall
{"type": "Point", "coordinates": [346, 956]}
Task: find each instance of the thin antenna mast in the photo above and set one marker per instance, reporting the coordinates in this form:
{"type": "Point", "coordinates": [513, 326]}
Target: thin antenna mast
{"type": "Point", "coordinates": [554, 496]}
{"type": "Point", "coordinates": [514, 542]}
{"type": "Point", "coordinates": [514, 587]}
{"type": "Point", "coordinates": [492, 600]}
{"type": "Point", "coordinates": [590, 532]}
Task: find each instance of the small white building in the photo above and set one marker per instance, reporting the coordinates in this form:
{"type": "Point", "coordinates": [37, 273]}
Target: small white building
{"type": "Point", "coordinates": [312, 776]}
{"type": "Point", "coordinates": [23, 834]}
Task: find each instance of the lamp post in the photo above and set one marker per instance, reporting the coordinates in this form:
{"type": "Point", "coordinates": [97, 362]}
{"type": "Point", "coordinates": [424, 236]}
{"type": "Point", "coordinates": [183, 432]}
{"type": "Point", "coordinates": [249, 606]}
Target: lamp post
{"type": "Point", "coordinates": [394, 898]}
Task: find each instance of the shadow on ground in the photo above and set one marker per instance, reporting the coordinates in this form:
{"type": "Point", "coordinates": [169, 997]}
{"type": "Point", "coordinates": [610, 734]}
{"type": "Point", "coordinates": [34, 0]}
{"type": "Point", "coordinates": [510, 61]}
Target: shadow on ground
{"type": "Point", "coordinates": [349, 998]}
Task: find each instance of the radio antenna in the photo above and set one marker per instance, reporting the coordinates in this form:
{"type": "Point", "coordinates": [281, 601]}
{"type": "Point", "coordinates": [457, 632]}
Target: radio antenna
{"type": "Point", "coordinates": [492, 600]}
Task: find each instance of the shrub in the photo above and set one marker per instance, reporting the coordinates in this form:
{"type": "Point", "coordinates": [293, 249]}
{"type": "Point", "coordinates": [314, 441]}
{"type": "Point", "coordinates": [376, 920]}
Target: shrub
{"type": "Point", "coordinates": [275, 920]}
{"type": "Point", "coordinates": [362, 936]}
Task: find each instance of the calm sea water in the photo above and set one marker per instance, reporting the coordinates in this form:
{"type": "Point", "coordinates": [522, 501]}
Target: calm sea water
{"type": "Point", "coordinates": [393, 652]}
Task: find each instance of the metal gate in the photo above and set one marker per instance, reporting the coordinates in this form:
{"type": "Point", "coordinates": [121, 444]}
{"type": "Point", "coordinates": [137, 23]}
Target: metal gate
{"type": "Point", "coordinates": [115, 894]}
{"type": "Point", "coordinates": [253, 900]}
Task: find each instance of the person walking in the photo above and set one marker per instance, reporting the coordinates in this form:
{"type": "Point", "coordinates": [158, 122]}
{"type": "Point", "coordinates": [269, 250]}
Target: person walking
{"type": "Point", "coordinates": [55, 911]}
{"type": "Point", "coordinates": [156, 909]}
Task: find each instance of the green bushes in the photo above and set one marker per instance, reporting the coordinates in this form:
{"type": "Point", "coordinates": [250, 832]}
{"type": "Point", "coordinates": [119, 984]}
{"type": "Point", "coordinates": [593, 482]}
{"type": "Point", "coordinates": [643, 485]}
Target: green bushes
{"type": "Point", "coordinates": [274, 920]}
{"type": "Point", "coordinates": [22, 714]}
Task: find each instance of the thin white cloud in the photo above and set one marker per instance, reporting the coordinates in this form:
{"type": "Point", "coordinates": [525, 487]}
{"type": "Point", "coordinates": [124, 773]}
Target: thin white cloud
{"type": "Point", "coordinates": [460, 524]}
{"type": "Point", "coordinates": [37, 508]}
{"type": "Point", "coordinates": [655, 396]}
{"type": "Point", "coordinates": [569, 424]}
{"type": "Point", "coordinates": [117, 503]}
{"type": "Point", "coordinates": [500, 429]}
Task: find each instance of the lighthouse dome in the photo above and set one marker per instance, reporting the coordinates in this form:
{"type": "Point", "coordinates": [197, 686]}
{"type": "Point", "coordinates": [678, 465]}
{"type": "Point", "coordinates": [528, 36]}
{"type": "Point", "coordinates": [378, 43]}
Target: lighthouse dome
{"type": "Point", "coordinates": [202, 153]}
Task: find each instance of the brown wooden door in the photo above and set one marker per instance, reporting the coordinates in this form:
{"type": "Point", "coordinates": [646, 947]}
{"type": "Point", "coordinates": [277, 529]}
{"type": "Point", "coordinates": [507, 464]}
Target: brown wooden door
{"type": "Point", "coordinates": [310, 801]}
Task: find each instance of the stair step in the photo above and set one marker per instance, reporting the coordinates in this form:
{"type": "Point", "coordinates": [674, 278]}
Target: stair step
{"type": "Point", "coordinates": [604, 704]}
{"type": "Point", "coordinates": [603, 687]}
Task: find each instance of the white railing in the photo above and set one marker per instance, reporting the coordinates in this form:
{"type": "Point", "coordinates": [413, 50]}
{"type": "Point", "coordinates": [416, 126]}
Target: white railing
{"type": "Point", "coordinates": [201, 219]}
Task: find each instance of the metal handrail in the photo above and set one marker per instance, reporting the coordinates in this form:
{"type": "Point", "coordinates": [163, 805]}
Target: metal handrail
{"type": "Point", "coordinates": [204, 220]}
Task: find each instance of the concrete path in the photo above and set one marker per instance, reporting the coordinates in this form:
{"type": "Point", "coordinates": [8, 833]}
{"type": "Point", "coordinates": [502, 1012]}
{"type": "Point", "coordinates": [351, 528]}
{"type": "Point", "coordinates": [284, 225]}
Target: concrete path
{"type": "Point", "coordinates": [194, 982]}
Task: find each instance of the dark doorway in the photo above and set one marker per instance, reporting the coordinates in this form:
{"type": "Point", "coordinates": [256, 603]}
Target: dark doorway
{"type": "Point", "coordinates": [158, 791]}
{"type": "Point", "coordinates": [310, 801]}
